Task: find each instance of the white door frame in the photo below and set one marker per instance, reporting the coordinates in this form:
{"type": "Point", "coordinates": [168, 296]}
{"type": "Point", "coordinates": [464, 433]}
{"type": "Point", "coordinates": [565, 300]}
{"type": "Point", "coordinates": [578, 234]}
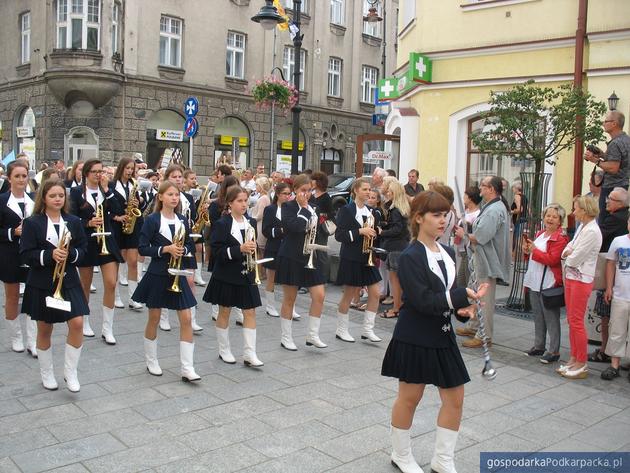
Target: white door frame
{"type": "Point", "coordinates": [66, 143]}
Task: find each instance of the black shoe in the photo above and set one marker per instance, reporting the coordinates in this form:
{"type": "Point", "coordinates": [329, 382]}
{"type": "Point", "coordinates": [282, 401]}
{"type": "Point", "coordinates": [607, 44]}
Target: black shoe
{"type": "Point", "coordinates": [610, 373]}
{"type": "Point", "coordinates": [599, 356]}
{"type": "Point", "coordinates": [535, 352]}
{"type": "Point", "coordinates": [549, 358]}
{"type": "Point", "coordinates": [501, 282]}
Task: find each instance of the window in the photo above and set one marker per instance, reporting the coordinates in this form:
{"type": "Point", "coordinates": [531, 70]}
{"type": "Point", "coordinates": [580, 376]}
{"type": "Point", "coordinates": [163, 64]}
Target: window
{"type": "Point", "coordinates": [25, 31]}
{"type": "Point", "coordinates": [408, 12]}
{"type": "Point", "coordinates": [115, 27]}
{"type": "Point", "coordinates": [372, 29]}
{"type": "Point", "coordinates": [336, 12]}
{"type": "Point", "coordinates": [369, 84]}
{"type": "Point", "coordinates": [303, 6]}
{"type": "Point", "coordinates": [288, 64]}
{"type": "Point", "coordinates": [170, 41]}
{"type": "Point", "coordinates": [334, 77]}
{"type": "Point", "coordinates": [235, 60]}
{"type": "Point", "coordinates": [78, 24]}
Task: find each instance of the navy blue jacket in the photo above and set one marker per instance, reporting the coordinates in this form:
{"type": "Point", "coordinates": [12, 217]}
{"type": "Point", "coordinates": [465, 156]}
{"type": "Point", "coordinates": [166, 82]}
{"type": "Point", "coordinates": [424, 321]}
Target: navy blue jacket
{"type": "Point", "coordinates": [272, 228]}
{"type": "Point", "coordinates": [36, 251]}
{"type": "Point", "coordinates": [152, 243]}
{"type": "Point", "coordinates": [9, 221]}
{"type": "Point", "coordinates": [295, 221]}
{"type": "Point", "coordinates": [425, 315]}
{"type": "Point", "coordinates": [395, 235]}
{"type": "Point", "coordinates": [229, 262]}
{"type": "Point", "coordinates": [348, 233]}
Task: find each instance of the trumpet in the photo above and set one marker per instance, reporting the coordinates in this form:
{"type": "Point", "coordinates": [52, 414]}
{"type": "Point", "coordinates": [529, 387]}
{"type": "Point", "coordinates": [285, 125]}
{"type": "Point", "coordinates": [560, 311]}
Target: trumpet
{"type": "Point", "coordinates": [100, 230]}
{"type": "Point", "coordinates": [175, 262]}
{"type": "Point", "coordinates": [309, 241]}
{"type": "Point", "coordinates": [368, 241]}
{"type": "Point", "coordinates": [203, 218]}
{"type": "Point", "coordinates": [132, 212]}
{"type": "Point", "coordinates": [252, 258]}
{"type": "Point", "coordinates": [60, 268]}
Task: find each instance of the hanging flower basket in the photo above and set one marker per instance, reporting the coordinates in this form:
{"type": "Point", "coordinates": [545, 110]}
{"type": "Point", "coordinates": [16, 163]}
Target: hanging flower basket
{"type": "Point", "coordinates": [275, 91]}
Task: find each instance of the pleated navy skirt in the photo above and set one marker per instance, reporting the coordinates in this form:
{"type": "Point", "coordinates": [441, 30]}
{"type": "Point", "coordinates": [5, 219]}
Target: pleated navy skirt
{"type": "Point", "coordinates": [11, 269]}
{"type": "Point", "coordinates": [356, 274]}
{"type": "Point", "coordinates": [442, 367]}
{"type": "Point", "coordinates": [232, 295]}
{"type": "Point", "coordinates": [93, 255]}
{"type": "Point", "coordinates": [153, 290]}
{"type": "Point", "coordinates": [293, 273]}
{"type": "Point", "coordinates": [270, 264]}
{"type": "Point", "coordinates": [34, 304]}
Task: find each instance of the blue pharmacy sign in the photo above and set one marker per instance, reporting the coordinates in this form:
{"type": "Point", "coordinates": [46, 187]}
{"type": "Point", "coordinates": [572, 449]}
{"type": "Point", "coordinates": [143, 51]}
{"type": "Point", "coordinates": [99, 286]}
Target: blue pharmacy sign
{"type": "Point", "coordinates": [191, 107]}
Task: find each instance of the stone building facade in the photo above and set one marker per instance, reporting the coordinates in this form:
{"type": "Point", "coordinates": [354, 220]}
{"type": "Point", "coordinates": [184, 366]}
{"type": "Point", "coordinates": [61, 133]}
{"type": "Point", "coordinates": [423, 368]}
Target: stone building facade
{"type": "Point", "coordinates": [116, 95]}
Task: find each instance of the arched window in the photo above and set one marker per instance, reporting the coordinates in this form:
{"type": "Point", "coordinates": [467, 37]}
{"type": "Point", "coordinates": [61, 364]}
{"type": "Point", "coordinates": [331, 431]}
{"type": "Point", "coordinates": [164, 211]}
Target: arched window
{"type": "Point", "coordinates": [232, 143]}
{"type": "Point", "coordinates": [81, 143]}
{"type": "Point", "coordinates": [166, 141]}
{"type": "Point", "coordinates": [25, 134]}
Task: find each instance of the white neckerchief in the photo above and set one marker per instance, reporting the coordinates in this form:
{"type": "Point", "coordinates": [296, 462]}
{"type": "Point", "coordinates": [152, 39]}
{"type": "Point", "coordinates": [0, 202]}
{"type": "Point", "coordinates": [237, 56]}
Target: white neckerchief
{"type": "Point", "coordinates": [13, 202]}
{"type": "Point", "coordinates": [435, 267]}
{"type": "Point", "coordinates": [99, 197]}
{"type": "Point", "coordinates": [361, 212]}
{"type": "Point", "coordinates": [120, 188]}
{"type": "Point", "coordinates": [235, 231]}
{"type": "Point", "coordinates": [165, 230]}
{"type": "Point", "coordinates": [51, 234]}
{"type": "Point", "coordinates": [185, 203]}
{"type": "Point", "coordinates": [279, 213]}
{"type": "Point", "coordinates": [74, 184]}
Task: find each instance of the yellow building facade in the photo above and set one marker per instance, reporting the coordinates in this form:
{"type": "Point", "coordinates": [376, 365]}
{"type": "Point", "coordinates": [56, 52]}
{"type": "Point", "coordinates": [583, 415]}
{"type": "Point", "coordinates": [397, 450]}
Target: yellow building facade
{"type": "Point", "coordinates": [476, 47]}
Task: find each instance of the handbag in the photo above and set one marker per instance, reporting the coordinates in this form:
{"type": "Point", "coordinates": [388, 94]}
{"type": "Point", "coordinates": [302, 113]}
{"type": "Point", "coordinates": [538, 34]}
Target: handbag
{"type": "Point", "coordinates": [329, 227]}
{"type": "Point", "coordinates": [553, 297]}
{"type": "Point", "coordinates": [599, 281]}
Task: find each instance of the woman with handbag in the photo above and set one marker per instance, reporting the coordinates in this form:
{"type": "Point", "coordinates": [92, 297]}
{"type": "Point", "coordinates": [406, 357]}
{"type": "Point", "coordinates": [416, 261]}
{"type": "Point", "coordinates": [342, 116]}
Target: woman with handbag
{"type": "Point", "coordinates": [544, 276]}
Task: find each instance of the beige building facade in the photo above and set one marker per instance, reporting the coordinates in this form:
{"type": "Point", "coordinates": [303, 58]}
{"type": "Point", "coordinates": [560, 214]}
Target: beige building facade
{"type": "Point", "coordinates": [87, 78]}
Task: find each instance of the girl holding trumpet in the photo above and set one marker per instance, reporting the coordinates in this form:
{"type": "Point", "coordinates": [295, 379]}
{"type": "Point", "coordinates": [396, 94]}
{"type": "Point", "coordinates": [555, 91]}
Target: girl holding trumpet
{"type": "Point", "coordinates": [233, 281]}
{"type": "Point", "coordinates": [94, 203]}
{"type": "Point", "coordinates": [356, 231]}
{"type": "Point", "coordinates": [123, 190]}
{"type": "Point", "coordinates": [52, 244]}
{"type": "Point", "coordinates": [15, 206]}
{"type": "Point", "coordinates": [294, 268]}
{"type": "Point", "coordinates": [165, 237]}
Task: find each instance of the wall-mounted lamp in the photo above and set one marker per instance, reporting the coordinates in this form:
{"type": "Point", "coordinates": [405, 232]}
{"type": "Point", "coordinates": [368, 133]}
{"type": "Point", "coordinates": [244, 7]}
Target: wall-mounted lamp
{"type": "Point", "coordinates": [613, 100]}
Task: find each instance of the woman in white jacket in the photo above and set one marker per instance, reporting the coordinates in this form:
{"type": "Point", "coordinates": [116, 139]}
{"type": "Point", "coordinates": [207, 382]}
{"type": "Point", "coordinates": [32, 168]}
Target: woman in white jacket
{"type": "Point", "coordinates": [580, 257]}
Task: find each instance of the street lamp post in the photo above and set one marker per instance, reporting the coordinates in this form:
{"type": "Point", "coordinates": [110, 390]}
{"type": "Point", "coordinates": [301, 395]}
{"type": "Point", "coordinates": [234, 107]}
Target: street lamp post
{"type": "Point", "coordinates": [372, 16]}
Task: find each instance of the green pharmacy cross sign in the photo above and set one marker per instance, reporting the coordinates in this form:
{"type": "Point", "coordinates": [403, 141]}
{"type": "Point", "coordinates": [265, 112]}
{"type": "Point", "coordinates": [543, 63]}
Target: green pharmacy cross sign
{"type": "Point", "coordinates": [420, 68]}
{"type": "Point", "coordinates": [419, 72]}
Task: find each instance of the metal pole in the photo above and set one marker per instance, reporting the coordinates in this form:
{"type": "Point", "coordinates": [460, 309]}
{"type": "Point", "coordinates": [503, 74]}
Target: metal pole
{"type": "Point", "coordinates": [384, 41]}
{"type": "Point", "coordinates": [190, 154]}
{"type": "Point", "coordinates": [273, 108]}
{"type": "Point", "coordinates": [297, 46]}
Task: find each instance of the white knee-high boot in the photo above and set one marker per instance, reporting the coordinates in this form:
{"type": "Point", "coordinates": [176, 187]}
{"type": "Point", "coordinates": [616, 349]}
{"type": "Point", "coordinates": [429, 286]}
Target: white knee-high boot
{"type": "Point", "coordinates": [15, 334]}
{"type": "Point", "coordinates": [150, 355]}
{"type": "Point", "coordinates": [122, 274]}
{"type": "Point", "coordinates": [444, 455]}
{"type": "Point", "coordinates": [133, 305]}
{"type": "Point", "coordinates": [107, 332]}
{"type": "Point", "coordinates": [402, 457]}
{"type": "Point", "coordinates": [186, 350]}
{"type": "Point", "coordinates": [312, 339]}
{"type": "Point", "coordinates": [286, 340]}
{"type": "Point", "coordinates": [46, 369]}
{"type": "Point", "coordinates": [223, 338]}
{"type": "Point", "coordinates": [238, 316]}
{"type": "Point", "coordinates": [249, 348]}
{"type": "Point", "coordinates": [70, 365]}
{"type": "Point", "coordinates": [87, 329]}
{"type": "Point", "coordinates": [368, 327]}
{"type": "Point", "coordinates": [164, 322]}
{"type": "Point", "coordinates": [193, 320]}
{"type": "Point", "coordinates": [215, 312]}
{"type": "Point", "coordinates": [342, 333]}
{"type": "Point", "coordinates": [270, 306]}
{"type": "Point", "coordinates": [118, 303]}
{"type": "Point", "coordinates": [31, 336]}
{"type": "Point", "coordinates": [198, 279]}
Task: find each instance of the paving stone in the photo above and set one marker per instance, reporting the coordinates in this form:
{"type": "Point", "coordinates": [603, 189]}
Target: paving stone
{"type": "Point", "coordinates": [500, 443]}
{"type": "Point", "coordinates": [95, 424]}
{"type": "Point", "coordinates": [308, 460]}
{"type": "Point", "coordinates": [547, 430]}
{"type": "Point", "coordinates": [377, 462]}
{"type": "Point", "coordinates": [24, 441]}
{"type": "Point", "coordinates": [589, 412]}
{"type": "Point", "coordinates": [608, 434]}
{"type": "Point", "coordinates": [7, 466]}
{"type": "Point", "coordinates": [488, 425]}
{"type": "Point", "coordinates": [358, 417]}
{"type": "Point", "coordinates": [304, 392]}
{"type": "Point", "coordinates": [74, 468]}
{"type": "Point", "coordinates": [39, 418]}
{"type": "Point", "coordinates": [177, 405]}
{"type": "Point", "coordinates": [298, 414]}
{"type": "Point", "coordinates": [224, 435]}
{"type": "Point", "coordinates": [157, 430]}
{"type": "Point", "coordinates": [62, 396]}
{"type": "Point", "coordinates": [532, 408]}
{"type": "Point", "coordinates": [67, 452]}
{"type": "Point", "coordinates": [232, 458]}
{"type": "Point", "coordinates": [10, 406]}
{"type": "Point", "coordinates": [119, 401]}
{"type": "Point", "coordinates": [140, 458]}
{"type": "Point", "coordinates": [235, 410]}
{"type": "Point", "coordinates": [356, 444]}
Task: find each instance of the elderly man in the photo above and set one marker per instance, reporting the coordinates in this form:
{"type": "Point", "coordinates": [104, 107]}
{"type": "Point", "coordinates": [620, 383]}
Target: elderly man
{"type": "Point", "coordinates": [491, 239]}
{"type": "Point", "coordinates": [613, 224]}
{"type": "Point", "coordinates": [248, 183]}
{"type": "Point", "coordinates": [615, 161]}
{"type": "Point", "coordinates": [377, 177]}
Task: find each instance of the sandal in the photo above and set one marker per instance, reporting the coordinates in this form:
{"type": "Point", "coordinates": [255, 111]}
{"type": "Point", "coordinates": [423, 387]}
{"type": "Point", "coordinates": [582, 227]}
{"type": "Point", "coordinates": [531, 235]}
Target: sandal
{"type": "Point", "coordinates": [362, 307]}
{"type": "Point", "coordinates": [610, 373]}
{"type": "Point", "coordinates": [354, 305]}
{"type": "Point", "coordinates": [599, 356]}
{"type": "Point", "coordinates": [389, 314]}
{"type": "Point", "coordinates": [389, 300]}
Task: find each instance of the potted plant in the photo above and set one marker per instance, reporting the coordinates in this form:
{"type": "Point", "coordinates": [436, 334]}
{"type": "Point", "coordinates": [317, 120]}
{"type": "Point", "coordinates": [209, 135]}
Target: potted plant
{"type": "Point", "coordinates": [273, 91]}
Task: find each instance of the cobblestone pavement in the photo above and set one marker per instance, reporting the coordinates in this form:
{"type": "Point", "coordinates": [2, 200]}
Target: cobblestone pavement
{"type": "Point", "coordinates": [309, 411]}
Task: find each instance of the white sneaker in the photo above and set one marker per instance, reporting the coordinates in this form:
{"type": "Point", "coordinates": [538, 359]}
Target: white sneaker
{"type": "Point", "coordinates": [164, 323]}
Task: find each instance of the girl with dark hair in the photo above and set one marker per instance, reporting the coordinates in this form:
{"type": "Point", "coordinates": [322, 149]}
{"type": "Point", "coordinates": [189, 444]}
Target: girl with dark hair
{"type": "Point", "coordinates": [423, 349]}
{"type": "Point", "coordinates": [85, 201]}
{"type": "Point", "coordinates": [272, 229]}
{"type": "Point", "coordinates": [299, 221]}
{"type": "Point", "coordinates": [75, 175]}
{"type": "Point", "coordinates": [356, 222]}
{"type": "Point", "coordinates": [15, 206]}
{"type": "Point", "coordinates": [158, 240]}
{"type": "Point", "coordinates": [123, 191]}
{"type": "Point", "coordinates": [233, 280]}
{"type": "Point", "coordinates": [40, 248]}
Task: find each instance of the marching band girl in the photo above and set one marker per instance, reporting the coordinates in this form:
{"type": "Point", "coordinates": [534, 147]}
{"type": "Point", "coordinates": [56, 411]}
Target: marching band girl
{"type": "Point", "coordinates": [190, 183]}
{"type": "Point", "coordinates": [75, 176]}
{"type": "Point", "coordinates": [272, 229]}
{"type": "Point", "coordinates": [15, 206]}
{"type": "Point", "coordinates": [423, 349]}
{"type": "Point", "coordinates": [175, 174]}
{"type": "Point", "coordinates": [85, 201]}
{"type": "Point", "coordinates": [356, 222]}
{"type": "Point", "coordinates": [122, 188]}
{"type": "Point", "coordinates": [299, 220]}
{"type": "Point", "coordinates": [232, 283]}
{"type": "Point", "coordinates": [42, 247]}
{"type": "Point", "coordinates": [158, 239]}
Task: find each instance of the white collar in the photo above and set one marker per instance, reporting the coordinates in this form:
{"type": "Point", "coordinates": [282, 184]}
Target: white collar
{"type": "Point", "coordinates": [13, 205]}
{"type": "Point", "coordinates": [435, 267]}
{"type": "Point", "coordinates": [120, 188]}
{"type": "Point", "coordinates": [90, 199]}
{"type": "Point", "coordinates": [279, 213]}
{"type": "Point", "coordinates": [361, 212]}
{"type": "Point", "coordinates": [51, 234]}
{"type": "Point", "coordinates": [165, 230]}
{"type": "Point", "coordinates": [235, 231]}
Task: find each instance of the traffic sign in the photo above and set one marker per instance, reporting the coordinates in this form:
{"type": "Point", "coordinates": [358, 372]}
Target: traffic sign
{"type": "Point", "coordinates": [191, 107]}
{"type": "Point", "coordinates": [191, 127]}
